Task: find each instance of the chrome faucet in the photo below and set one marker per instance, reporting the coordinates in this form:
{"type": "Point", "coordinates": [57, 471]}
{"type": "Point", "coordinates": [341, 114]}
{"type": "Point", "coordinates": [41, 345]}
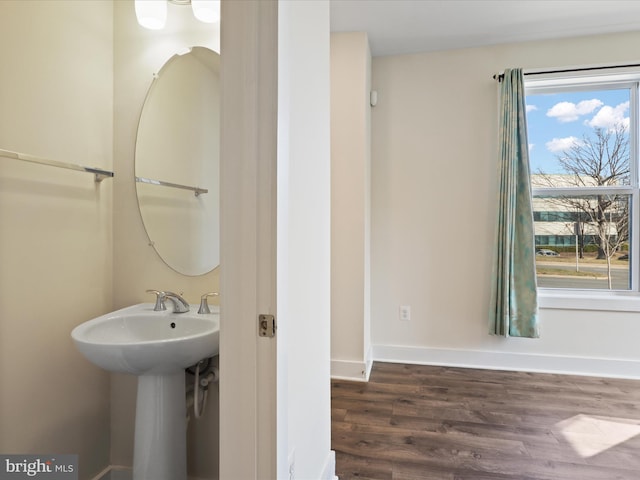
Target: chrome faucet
{"type": "Point", "coordinates": [204, 306]}
{"type": "Point", "coordinates": [159, 306]}
{"type": "Point", "coordinates": [180, 305]}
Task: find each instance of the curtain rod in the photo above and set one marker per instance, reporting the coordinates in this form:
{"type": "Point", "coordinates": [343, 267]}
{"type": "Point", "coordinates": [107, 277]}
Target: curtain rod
{"type": "Point", "coordinates": [500, 76]}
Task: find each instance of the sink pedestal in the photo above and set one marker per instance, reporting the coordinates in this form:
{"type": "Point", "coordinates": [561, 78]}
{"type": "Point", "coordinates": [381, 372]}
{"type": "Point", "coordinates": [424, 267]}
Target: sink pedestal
{"type": "Point", "coordinates": [160, 448]}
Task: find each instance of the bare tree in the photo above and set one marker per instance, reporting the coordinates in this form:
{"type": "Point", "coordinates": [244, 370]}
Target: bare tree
{"type": "Point", "coordinates": [615, 233]}
{"type": "Point", "coordinates": [610, 227]}
{"type": "Point", "coordinates": [599, 160]}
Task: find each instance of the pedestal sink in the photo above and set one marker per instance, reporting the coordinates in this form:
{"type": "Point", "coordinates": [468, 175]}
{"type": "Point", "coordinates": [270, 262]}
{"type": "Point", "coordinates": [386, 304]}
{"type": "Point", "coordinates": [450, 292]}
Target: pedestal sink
{"type": "Point", "coordinates": [157, 347]}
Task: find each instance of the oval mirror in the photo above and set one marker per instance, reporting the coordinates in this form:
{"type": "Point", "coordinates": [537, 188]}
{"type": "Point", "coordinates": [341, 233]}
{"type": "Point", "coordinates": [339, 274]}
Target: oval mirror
{"type": "Point", "coordinates": [177, 162]}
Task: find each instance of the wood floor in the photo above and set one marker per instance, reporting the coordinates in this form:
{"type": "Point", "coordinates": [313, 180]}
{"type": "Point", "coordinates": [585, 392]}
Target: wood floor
{"type": "Point", "coordinates": [413, 422]}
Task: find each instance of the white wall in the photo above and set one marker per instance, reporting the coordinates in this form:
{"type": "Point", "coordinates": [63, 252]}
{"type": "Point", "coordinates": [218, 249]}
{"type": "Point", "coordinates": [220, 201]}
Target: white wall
{"type": "Point", "coordinates": [56, 101]}
{"type": "Point", "coordinates": [433, 202]}
{"type": "Point", "coordinates": [304, 225]}
{"type": "Point", "coordinates": [138, 53]}
{"type": "Point", "coordinates": [350, 205]}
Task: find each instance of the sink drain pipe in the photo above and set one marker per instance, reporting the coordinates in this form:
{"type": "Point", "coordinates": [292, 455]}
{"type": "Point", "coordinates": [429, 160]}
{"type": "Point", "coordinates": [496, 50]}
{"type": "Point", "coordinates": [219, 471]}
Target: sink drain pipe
{"type": "Point", "coordinates": [204, 375]}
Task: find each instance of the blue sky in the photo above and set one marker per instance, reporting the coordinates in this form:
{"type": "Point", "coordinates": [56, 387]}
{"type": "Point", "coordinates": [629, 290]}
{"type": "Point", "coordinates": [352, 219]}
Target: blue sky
{"type": "Point", "coordinates": [555, 121]}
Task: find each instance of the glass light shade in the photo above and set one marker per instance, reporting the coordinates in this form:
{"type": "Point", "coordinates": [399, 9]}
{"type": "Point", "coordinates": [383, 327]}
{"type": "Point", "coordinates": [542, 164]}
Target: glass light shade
{"type": "Point", "coordinates": [207, 11]}
{"type": "Point", "coordinates": [151, 14]}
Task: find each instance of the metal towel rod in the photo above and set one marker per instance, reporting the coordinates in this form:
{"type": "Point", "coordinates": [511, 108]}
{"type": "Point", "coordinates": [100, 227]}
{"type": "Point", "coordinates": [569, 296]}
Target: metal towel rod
{"type": "Point", "coordinates": [196, 190]}
{"type": "Point", "coordinates": [99, 173]}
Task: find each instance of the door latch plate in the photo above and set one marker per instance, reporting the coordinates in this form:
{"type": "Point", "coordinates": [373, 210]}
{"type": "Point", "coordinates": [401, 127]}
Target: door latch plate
{"type": "Point", "coordinates": [266, 325]}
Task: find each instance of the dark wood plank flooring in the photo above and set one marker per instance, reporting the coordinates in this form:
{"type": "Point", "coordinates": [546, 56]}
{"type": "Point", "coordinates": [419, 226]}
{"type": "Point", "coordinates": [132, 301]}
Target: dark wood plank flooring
{"type": "Point", "coordinates": [415, 422]}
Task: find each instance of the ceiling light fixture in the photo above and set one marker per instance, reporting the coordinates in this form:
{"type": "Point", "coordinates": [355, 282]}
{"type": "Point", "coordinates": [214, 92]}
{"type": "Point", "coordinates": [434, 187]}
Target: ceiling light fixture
{"type": "Point", "coordinates": [152, 14]}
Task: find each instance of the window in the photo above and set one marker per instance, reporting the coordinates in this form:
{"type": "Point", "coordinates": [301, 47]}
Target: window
{"type": "Point", "coordinates": [584, 180]}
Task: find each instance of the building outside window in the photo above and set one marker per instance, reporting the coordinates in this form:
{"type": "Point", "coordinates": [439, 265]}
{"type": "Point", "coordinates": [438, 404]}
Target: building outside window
{"type": "Point", "coordinates": [584, 179]}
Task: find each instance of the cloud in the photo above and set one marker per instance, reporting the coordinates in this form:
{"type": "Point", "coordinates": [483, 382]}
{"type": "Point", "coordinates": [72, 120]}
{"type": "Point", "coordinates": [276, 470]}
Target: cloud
{"type": "Point", "coordinates": [531, 108]}
{"type": "Point", "coordinates": [608, 117]}
{"type": "Point", "coordinates": [561, 144]}
{"type": "Point", "coordinates": [570, 112]}
{"type": "Point", "coordinates": [531, 145]}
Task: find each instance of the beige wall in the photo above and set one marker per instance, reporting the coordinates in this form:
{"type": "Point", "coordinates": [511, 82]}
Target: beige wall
{"type": "Point", "coordinates": [350, 203]}
{"type": "Point", "coordinates": [137, 267]}
{"type": "Point", "coordinates": [434, 190]}
{"type": "Point", "coordinates": [56, 101]}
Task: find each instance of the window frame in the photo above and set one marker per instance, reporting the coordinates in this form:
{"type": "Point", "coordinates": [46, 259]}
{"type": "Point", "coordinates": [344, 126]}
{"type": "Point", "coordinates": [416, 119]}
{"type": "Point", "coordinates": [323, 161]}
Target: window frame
{"type": "Point", "coordinates": [590, 80]}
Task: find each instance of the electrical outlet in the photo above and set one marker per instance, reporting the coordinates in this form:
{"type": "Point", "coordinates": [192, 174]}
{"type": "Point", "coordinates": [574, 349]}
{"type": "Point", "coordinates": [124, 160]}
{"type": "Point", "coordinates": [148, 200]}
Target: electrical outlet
{"type": "Point", "coordinates": [405, 313]}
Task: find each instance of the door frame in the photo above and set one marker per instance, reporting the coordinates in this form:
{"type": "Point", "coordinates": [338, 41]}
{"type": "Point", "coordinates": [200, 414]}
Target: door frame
{"type": "Point", "coordinates": [249, 59]}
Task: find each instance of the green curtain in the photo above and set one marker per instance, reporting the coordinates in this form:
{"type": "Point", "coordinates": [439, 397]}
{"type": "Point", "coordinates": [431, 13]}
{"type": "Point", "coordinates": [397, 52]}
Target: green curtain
{"type": "Point", "coordinates": [514, 303]}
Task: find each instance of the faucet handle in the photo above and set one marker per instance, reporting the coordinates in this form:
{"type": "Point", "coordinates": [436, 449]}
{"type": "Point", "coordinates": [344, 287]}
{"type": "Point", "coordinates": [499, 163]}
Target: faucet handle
{"type": "Point", "coordinates": [204, 305]}
{"type": "Point", "coordinates": [159, 306]}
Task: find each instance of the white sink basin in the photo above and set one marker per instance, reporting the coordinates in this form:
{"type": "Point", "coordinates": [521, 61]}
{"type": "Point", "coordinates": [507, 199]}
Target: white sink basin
{"type": "Point", "coordinates": [139, 341]}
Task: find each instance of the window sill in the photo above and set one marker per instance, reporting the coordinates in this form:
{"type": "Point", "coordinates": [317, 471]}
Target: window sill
{"type": "Point", "coordinates": [588, 300]}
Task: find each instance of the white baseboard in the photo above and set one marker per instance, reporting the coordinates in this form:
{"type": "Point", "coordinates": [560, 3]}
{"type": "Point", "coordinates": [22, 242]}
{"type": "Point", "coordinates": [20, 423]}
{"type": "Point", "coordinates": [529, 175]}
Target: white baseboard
{"type": "Point", "coordinates": [369, 363]}
{"type": "Point", "coordinates": [599, 367]}
{"type": "Point", "coordinates": [103, 474]}
{"type": "Point", "coordinates": [116, 472]}
{"type": "Point", "coordinates": [353, 370]}
{"type": "Point", "coordinates": [329, 471]}
{"type": "Point", "coordinates": [350, 370]}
